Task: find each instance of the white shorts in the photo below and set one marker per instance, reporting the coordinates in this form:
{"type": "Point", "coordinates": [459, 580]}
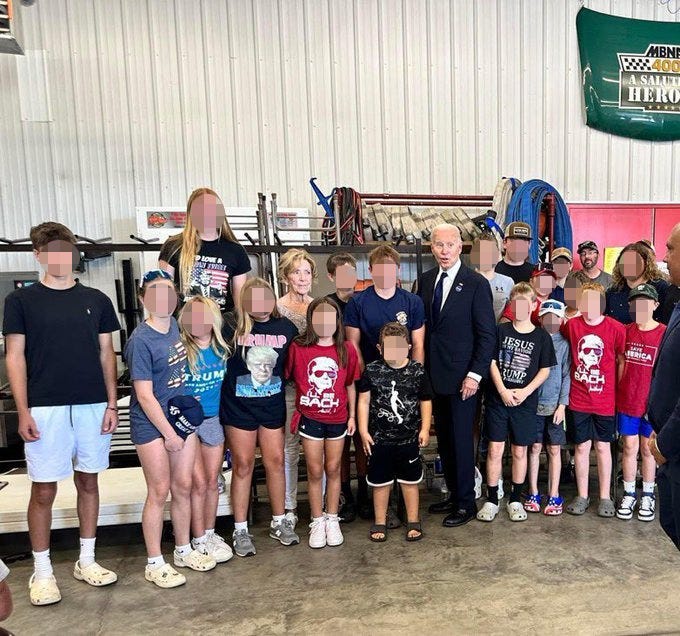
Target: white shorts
{"type": "Point", "coordinates": [70, 439]}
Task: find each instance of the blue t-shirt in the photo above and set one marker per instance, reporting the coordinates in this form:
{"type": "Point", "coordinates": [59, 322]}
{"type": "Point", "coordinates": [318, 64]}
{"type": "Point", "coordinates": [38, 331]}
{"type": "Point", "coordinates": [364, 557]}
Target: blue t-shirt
{"type": "Point", "coordinates": [369, 312]}
{"type": "Point", "coordinates": [206, 384]}
{"type": "Point", "coordinates": [159, 357]}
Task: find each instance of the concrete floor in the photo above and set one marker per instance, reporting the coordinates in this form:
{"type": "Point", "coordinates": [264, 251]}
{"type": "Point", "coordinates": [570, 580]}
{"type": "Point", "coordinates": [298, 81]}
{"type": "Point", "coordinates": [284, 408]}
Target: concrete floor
{"type": "Point", "coordinates": [546, 575]}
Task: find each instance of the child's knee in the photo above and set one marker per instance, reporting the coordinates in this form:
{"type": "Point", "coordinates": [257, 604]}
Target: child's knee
{"type": "Point", "coordinates": [519, 452]}
{"type": "Point", "coordinates": [554, 451]}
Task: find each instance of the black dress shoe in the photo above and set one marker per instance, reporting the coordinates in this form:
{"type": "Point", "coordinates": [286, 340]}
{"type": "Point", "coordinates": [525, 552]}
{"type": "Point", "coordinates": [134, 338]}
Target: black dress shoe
{"type": "Point", "coordinates": [442, 507]}
{"type": "Point", "coordinates": [459, 518]}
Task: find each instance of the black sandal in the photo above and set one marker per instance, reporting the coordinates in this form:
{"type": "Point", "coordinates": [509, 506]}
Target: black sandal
{"type": "Point", "coordinates": [378, 528]}
{"type": "Point", "coordinates": [410, 527]}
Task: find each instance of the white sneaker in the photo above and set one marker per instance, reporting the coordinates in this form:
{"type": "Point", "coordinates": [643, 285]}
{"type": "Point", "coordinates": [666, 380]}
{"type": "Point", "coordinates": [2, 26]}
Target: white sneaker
{"type": "Point", "coordinates": [218, 549]}
{"type": "Point", "coordinates": [501, 492]}
{"type": "Point", "coordinates": [478, 483]}
{"type": "Point", "coordinates": [317, 533]}
{"type": "Point", "coordinates": [195, 560]}
{"type": "Point", "coordinates": [291, 517]}
{"type": "Point", "coordinates": [647, 509]}
{"type": "Point", "coordinates": [43, 591]}
{"type": "Point", "coordinates": [333, 533]}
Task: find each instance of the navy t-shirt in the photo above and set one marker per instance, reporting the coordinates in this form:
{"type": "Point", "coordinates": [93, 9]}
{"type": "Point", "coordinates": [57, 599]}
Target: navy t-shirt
{"type": "Point", "coordinates": [369, 312]}
{"type": "Point", "coordinates": [62, 328]}
{"type": "Point", "coordinates": [252, 391]}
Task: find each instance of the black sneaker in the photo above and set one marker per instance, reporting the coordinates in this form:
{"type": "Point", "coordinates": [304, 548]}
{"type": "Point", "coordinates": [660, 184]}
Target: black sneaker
{"type": "Point", "coordinates": [347, 512]}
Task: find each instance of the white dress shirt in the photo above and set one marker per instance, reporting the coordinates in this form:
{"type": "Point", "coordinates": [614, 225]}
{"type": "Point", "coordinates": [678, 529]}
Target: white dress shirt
{"type": "Point", "coordinates": [451, 274]}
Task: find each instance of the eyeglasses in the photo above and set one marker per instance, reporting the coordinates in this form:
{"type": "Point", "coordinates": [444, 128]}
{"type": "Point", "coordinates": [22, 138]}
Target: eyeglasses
{"type": "Point", "coordinates": [154, 274]}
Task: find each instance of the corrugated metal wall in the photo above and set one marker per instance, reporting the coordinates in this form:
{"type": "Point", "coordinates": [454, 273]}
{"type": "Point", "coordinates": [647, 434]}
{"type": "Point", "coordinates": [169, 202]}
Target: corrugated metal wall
{"type": "Point", "coordinates": [150, 98]}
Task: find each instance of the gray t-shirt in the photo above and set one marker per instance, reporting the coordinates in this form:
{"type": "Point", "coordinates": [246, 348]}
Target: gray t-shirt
{"type": "Point", "coordinates": [501, 285]}
{"type": "Point", "coordinates": [159, 357]}
{"type": "Point", "coordinates": [604, 279]}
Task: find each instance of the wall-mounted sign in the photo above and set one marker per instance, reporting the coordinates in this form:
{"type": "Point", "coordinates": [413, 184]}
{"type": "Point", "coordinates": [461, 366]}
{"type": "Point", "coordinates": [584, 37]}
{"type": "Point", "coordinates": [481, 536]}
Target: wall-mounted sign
{"type": "Point", "coordinates": [631, 75]}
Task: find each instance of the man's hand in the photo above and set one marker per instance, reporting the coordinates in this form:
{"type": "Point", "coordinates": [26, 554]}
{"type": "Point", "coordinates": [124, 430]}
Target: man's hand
{"type": "Point", "coordinates": [423, 438]}
{"type": "Point", "coordinates": [28, 429]}
{"type": "Point", "coordinates": [367, 442]}
{"type": "Point", "coordinates": [468, 388]}
{"type": "Point", "coordinates": [110, 421]}
{"type": "Point", "coordinates": [654, 450]}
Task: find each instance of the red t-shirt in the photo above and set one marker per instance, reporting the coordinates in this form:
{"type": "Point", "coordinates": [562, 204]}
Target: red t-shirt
{"type": "Point", "coordinates": [320, 382]}
{"type": "Point", "coordinates": [594, 351]}
{"type": "Point", "coordinates": [642, 347]}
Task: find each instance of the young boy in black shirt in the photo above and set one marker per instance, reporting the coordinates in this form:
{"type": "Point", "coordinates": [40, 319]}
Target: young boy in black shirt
{"type": "Point", "coordinates": [394, 415]}
{"type": "Point", "coordinates": [523, 359]}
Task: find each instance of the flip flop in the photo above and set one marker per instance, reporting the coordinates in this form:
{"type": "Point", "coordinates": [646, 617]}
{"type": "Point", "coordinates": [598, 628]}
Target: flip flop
{"type": "Point", "coordinates": [378, 528]}
{"type": "Point", "coordinates": [410, 527]}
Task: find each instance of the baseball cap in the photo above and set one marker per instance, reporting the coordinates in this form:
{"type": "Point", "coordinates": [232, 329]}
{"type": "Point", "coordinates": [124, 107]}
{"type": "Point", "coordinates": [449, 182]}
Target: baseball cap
{"type": "Point", "coordinates": [552, 307]}
{"type": "Point", "coordinates": [518, 230]}
{"type": "Point", "coordinates": [154, 274]}
{"type": "Point", "coordinates": [644, 291]}
{"type": "Point", "coordinates": [543, 268]}
{"type": "Point", "coordinates": [185, 414]}
{"type": "Point", "coordinates": [562, 252]}
{"type": "Point", "coordinates": [587, 245]}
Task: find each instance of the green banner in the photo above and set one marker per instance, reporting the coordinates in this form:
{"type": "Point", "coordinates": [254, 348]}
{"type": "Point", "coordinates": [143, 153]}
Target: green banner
{"type": "Point", "coordinates": [631, 75]}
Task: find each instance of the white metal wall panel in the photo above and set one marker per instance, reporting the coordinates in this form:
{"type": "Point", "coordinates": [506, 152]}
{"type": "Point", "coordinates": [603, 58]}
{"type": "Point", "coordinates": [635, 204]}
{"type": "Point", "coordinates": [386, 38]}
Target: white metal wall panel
{"type": "Point", "coordinates": [151, 98]}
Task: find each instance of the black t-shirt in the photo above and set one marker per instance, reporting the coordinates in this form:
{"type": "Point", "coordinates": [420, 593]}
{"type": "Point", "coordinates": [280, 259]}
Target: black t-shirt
{"type": "Point", "coordinates": [672, 298]}
{"type": "Point", "coordinates": [253, 391]}
{"type": "Point", "coordinates": [340, 303]}
{"type": "Point", "coordinates": [62, 328]}
{"type": "Point", "coordinates": [518, 273]}
{"type": "Point", "coordinates": [217, 262]}
{"type": "Point", "coordinates": [394, 413]}
{"type": "Point", "coordinates": [520, 356]}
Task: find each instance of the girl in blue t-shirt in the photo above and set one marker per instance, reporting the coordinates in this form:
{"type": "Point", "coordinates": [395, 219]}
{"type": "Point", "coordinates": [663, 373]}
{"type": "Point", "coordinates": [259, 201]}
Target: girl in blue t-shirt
{"type": "Point", "coordinates": [155, 357]}
{"type": "Point", "coordinates": [201, 331]}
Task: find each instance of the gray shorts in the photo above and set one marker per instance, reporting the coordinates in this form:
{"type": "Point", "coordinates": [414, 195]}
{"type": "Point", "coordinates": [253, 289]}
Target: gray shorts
{"type": "Point", "coordinates": [211, 432]}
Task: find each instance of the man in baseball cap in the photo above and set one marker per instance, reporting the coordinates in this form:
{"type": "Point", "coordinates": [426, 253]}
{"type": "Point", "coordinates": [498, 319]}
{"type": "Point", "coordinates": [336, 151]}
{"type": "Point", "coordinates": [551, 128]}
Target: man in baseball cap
{"type": "Point", "coordinates": [516, 244]}
{"type": "Point", "coordinates": [589, 254]}
{"type": "Point", "coordinates": [562, 262]}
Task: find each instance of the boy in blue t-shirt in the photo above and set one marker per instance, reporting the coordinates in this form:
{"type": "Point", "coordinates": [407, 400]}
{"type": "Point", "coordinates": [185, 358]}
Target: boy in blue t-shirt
{"type": "Point", "coordinates": [364, 317]}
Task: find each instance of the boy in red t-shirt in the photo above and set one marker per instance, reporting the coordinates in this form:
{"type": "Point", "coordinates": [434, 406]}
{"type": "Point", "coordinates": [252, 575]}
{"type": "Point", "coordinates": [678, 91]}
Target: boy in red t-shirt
{"type": "Point", "coordinates": [596, 342]}
{"type": "Point", "coordinates": [643, 338]}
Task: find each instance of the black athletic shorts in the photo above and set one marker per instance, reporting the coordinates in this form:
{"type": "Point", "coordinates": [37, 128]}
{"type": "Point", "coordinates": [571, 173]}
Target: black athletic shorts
{"type": "Point", "coordinates": [390, 462]}
{"type": "Point", "coordinates": [588, 426]}
{"type": "Point", "coordinates": [518, 421]}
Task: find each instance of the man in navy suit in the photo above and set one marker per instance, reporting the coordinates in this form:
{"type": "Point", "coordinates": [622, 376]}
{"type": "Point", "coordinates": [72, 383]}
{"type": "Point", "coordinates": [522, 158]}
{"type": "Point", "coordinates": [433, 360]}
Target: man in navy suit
{"type": "Point", "coordinates": [663, 408]}
{"type": "Point", "coordinates": [460, 339]}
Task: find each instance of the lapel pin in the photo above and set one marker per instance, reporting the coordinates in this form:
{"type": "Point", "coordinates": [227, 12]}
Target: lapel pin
{"type": "Point", "coordinates": [459, 287]}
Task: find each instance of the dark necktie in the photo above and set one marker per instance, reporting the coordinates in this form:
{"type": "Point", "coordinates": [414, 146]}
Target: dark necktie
{"type": "Point", "coordinates": [437, 297]}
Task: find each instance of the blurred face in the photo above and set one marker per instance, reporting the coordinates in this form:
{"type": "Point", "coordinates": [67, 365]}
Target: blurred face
{"type": "Point", "coordinates": [299, 278]}
{"type": "Point", "coordinates": [258, 302]}
{"type": "Point", "coordinates": [588, 259]}
{"type": "Point", "coordinates": [384, 274]}
{"type": "Point", "coordinates": [58, 258]}
{"type": "Point", "coordinates": [572, 294]}
{"type": "Point", "coordinates": [517, 249]}
{"type": "Point", "coordinates": [207, 213]}
{"type": "Point", "coordinates": [672, 259]}
{"type": "Point", "coordinates": [160, 298]}
{"type": "Point", "coordinates": [446, 247]}
{"type": "Point", "coordinates": [592, 304]}
{"type": "Point", "coordinates": [642, 309]}
{"type": "Point", "coordinates": [485, 255]}
{"type": "Point", "coordinates": [197, 320]}
{"type": "Point", "coordinates": [521, 307]}
{"type": "Point", "coordinates": [324, 321]}
{"type": "Point", "coordinates": [543, 284]}
{"type": "Point", "coordinates": [345, 277]}
{"type": "Point", "coordinates": [551, 323]}
{"type": "Point", "coordinates": [562, 267]}
{"type": "Point", "coordinates": [631, 266]}
{"type": "Point", "coordinates": [395, 349]}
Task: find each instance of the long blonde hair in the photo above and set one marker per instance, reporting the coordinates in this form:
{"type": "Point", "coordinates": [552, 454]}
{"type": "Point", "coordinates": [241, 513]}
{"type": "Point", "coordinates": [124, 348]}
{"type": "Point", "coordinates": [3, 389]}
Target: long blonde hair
{"type": "Point", "coordinates": [217, 342]}
{"type": "Point", "coordinates": [244, 324]}
{"type": "Point", "coordinates": [188, 242]}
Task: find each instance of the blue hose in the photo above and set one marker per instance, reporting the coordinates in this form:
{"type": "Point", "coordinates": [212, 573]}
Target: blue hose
{"type": "Point", "coordinates": [525, 205]}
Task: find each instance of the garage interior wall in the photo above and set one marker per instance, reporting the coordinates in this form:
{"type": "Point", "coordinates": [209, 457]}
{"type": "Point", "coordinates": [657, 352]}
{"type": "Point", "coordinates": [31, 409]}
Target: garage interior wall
{"type": "Point", "coordinates": [147, 99]}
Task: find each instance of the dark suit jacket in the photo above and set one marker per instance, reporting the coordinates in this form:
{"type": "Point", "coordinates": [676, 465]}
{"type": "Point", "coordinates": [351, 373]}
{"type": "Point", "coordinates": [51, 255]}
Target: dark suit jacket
{"type": "Point", "coordinates": [464, 337]}
{"type": "Point", "coordinates": [663, 408]}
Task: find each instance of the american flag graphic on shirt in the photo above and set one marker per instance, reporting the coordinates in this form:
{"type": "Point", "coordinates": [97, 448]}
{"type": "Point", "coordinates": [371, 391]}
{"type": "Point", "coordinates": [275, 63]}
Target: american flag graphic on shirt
{"type": "Point", "coordinates": [210, 280]}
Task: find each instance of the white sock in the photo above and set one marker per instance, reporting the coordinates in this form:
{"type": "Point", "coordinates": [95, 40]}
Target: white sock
{"type": "Point", "coordinates": [155, 562]}
{"type": "Point", "coordinates": [321, 518]}
{"type": "Point", "coordinates": [648, 487]}
{"type": "Point", "coordinates": [629, 487]}
{"type": "Point", "coordinates": [277, 519]}
{"type": "Point", "coordinates": [210, 532]}
{"type": "Point", "coordinates": [183, 550]}
{"type": "Point", "coordinates": [86, 552]}
{"type": "Point", "coordinates": [240, 525]}
{"type": "Point", "coordinates": [201, 540]}
{"type": "Point", "coordinates": [42, 564]}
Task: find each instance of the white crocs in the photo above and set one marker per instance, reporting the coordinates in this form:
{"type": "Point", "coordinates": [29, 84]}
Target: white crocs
{"type": "Point", "coordinates": [488, 512]}
{"type": "Point", "coordinates": [165, 576]}
{"type": "Point", "coordinates": [516, 511]}
{"type": "Point", "coordinates": [94, 574]}
{"type": "Point", "coordinates": [195, 560]}
{"type": "Point", "coordinates": [43, 591]}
